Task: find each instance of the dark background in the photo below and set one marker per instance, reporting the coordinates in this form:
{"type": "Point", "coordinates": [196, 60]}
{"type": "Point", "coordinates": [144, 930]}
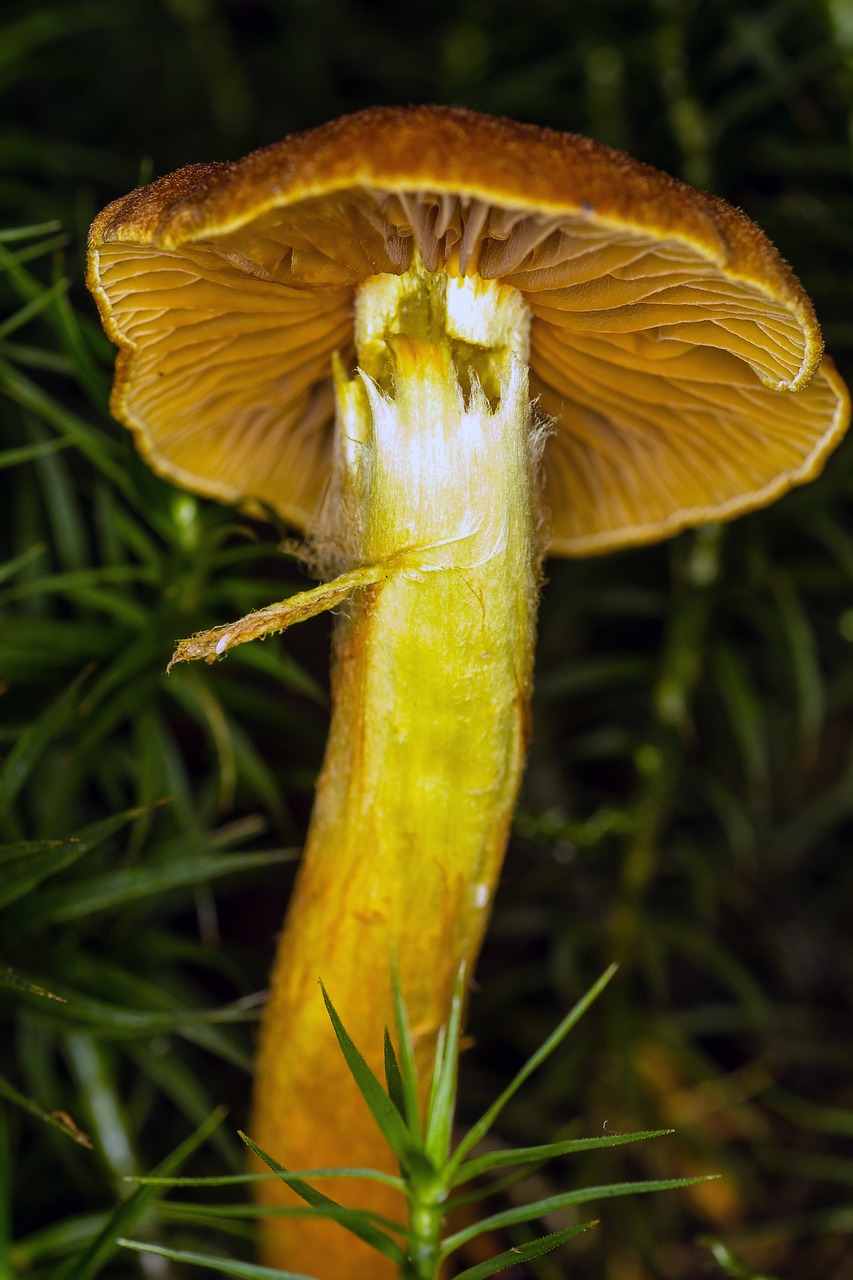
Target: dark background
{"type": "Point", "coordinates": [687, 808]}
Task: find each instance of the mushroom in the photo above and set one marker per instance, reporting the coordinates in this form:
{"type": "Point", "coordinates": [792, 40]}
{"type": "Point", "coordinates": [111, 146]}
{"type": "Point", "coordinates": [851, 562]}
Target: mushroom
{"type": "Point", "coordinates": [351, 326]}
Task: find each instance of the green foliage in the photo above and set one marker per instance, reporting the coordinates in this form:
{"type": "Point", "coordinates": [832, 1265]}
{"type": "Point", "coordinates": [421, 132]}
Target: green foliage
{"type": "Point", "coordinates": [733, 1266]}
{"type": "Point", "coordinates": [689, 799]}
{"type": "Point", "coordinates": [429, 1166]}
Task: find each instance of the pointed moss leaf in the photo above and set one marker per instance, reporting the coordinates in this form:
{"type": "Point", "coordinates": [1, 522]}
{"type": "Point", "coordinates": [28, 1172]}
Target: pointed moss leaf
{"type": "Point", "coordinates": [29, 863]}
{"type": "Point", "coordinates": [538, 1208]}
{"type": "Point", "coordinates": [357, 1223]}
{"type": "Point", "coordinates": [88, 1263]}
{"type": "Point", "coordinates": [93, 442]}
{"type": "Point", "coordinates": [33, 308]}
{"type": "Point", "coordinates": [537, 1155]}
{"type": "Point", "coordinates": [30, 357]}
{"type": "Point", "coordinates": [16, 982]}
{"type": "Point", "coordinates": [741, 701]}
{"type": "Point", "coordinates": [219, 1213]}
{"type": "Point", "coordinates": [482, 1126]}
{"type": "Point", "coordinates": [9, 235]}
{"type": "Point", "coordinates": [442, 1100]}
{"type": "Point", "coordinates": [79, 584]}
{"type": "Point", "coordinates": [244, 1270]}
{"type": "Point", "coordinates": [173, 1072]}
{"type": "Point", "coordinates": [809, 1114]}
{"type": "Point", "coordinates": [79, 1009]}
{"type": "Point", "coordinates": [381, 1107]}
{"type": "Point", "coordinates": [83, 840]}
{"type": "Point", "coordinates": [93, 378]}
{"type": "Point", "coordinates": [732, 1265]}
{"type": "Point", "coordinates": [27, 285]}
{"type": "Point", "coordinates": [229, 1180]}
{"type": "Point", "coordinates": [394, 1079]}
{"type": "Point", "coordinates": [58, 1240]}
{"type": "Point", "coordinates": [9, 568]}
{"type": "Point", "coordinates": [27, 751]}
{"type": "Point", "coordinates": [106, 892]}
{"type": "Point", "coordinates": [57, 1119]}
{"type": "Point", "coordinates": [406, 1060]}
{"type": "Point", "coordinates": [523, 1252]}
{"type": "Point", "coordinates": [803, 649]}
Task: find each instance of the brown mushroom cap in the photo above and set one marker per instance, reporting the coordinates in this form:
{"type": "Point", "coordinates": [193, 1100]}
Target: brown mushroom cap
{"type": "Point", "coordinates": [674, 348]}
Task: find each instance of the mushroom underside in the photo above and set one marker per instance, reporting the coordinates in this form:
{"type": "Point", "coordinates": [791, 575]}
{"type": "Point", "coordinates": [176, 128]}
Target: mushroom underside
{"type": "Point", "coordinates": [666, 380]}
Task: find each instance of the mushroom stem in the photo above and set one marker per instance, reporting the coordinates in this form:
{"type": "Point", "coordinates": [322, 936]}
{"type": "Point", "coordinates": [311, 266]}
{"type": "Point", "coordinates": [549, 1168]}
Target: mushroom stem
{"type": "Point", "coordinates": [431, 689]}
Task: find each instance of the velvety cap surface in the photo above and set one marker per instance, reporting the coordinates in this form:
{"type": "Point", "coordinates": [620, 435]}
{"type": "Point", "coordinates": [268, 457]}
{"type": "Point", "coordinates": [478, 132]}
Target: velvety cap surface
{"type": "Point", "coordinates": [674, 349]}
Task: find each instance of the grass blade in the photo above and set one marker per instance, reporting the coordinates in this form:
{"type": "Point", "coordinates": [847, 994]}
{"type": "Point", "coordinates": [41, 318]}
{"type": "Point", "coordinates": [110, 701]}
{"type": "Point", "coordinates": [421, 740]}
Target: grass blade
{"type": "Point", "coordinates": [524, 1252]}
{"type": "Point", "coordinates": [243, 1270]}
{"type": "Point", "coordinates": [352, 1220]}
{"type": "Point", "coordinates": [231, 1179]}
{"type": "Point", "coordinates": [89, 1263]}
{"type": "Point", "coordinates": [438, 1125]}
{"type": "Point", "coordinates": [10, 567]}
{"type": "Point", "coordinates": [35, 739]}
{"type": "Point", "coordinates": [538, 1208]}
{"type": "Point", "coordinates": [37, 860]}
{"type": "Point", "coordinates": [732, 1265]}
{"type": "Point", "coordinates": [6, 1179]}
{"type": "Point", "coordinates": [103, 893]}
{"type": "Point", "coordinates": [32, 308]}
{"type": "Point", "coordinates": [536, 1155]}
{"type": "Point", "coordinates": [13, 981]}
{"type": "Point", "coordinates": [394, 1078]}
{"type": "Point", "coordinates": [31, 452]}
{"type": "Point", "coordinates": [382, 1109]}
{"type": "Point", "coordinates": [57, 1119]}
{"type": "Point", "coordinates": [9, 235]}
{"type": "Point", "coordinates": [407, 1064]}
{"type": "Point", "coordinates": [482, 1126]}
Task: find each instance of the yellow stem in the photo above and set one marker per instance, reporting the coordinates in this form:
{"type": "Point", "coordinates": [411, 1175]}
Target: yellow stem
{"type": "Point", "coordinates": [431, 690]}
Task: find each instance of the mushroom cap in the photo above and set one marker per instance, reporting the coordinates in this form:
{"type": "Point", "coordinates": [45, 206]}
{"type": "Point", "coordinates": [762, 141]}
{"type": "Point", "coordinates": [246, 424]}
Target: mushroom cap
{"type": "Point", "coordinates": [673, 347]}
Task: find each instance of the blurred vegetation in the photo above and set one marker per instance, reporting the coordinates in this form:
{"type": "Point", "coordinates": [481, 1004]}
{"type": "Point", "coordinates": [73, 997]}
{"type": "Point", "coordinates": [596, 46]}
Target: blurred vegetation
{"type": "Point", "coordinates": [689, 799]}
